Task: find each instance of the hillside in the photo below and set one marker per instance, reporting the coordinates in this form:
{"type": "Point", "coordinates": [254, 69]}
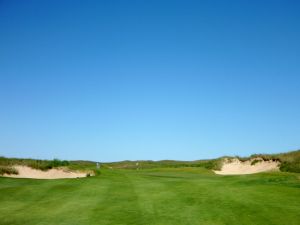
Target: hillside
{"type": "Point", "coordinates": [289, 162]}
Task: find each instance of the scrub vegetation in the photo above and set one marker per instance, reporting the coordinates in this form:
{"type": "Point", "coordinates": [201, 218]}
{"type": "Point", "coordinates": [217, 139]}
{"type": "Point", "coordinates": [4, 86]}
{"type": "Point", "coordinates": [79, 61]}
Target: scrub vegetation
{"type": "Point", "coordinates": [7, 170]}
{"type": "Point", "coordinates": [33, 163]}
{"type": "Point", "coordinates": [289, 161]}
{"type": "Point", "coordinates": [148, 164]}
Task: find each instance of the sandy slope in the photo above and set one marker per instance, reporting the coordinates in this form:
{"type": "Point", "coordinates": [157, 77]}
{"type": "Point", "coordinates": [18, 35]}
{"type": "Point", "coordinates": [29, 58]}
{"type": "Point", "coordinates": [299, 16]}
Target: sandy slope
{"type": "Point", "coordinates": [28, 172]}
{"type": "Point", "coordinates": [235, 166]}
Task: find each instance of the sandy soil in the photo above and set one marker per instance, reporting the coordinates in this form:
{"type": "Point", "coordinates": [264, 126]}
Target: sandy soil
{"type": "Point", "coordinates": [28, 172]}
{"type": "Point", "coordinates": [235, 167]}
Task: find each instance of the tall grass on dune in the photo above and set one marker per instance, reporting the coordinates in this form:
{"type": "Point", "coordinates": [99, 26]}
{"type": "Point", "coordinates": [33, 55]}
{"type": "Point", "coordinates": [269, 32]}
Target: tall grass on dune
{"type": "Point", "coordinates": [289, 161]}
{"type": "Point", "coordinates": [33, 163]}
{"type": "Point", "coordinates": [7, 170]}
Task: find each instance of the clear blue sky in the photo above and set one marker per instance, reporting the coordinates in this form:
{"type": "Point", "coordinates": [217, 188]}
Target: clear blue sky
{"type": "Point", "coordinates": [116, 80]}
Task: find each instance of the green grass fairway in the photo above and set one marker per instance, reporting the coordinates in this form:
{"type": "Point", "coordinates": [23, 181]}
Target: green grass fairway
{"type": "Point", "coordinates": [188, 196]}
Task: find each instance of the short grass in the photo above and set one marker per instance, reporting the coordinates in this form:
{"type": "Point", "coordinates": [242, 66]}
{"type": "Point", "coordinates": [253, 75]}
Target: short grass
{"type": "Point", "coordinates": [169, 196]}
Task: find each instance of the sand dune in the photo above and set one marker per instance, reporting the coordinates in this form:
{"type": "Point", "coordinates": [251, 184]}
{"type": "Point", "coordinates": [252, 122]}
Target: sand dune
{"type": "Point", "coordinates": [28, 172]}
{"type": "Point", "coordinates": [235, 166]}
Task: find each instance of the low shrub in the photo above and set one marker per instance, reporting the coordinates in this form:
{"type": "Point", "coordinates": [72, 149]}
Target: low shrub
{"type": "Point", "coordinates": [255, 161]}
{"type": "Point", "coordinates": [46, 165]}
{"type": "Point", "coordinates": [58, 163]}
{"type": "Point", "coordinates": [242, 159]}
{"type": "Point", "coordinates": [39, 165]}
{"type": "Point", "coordinates": [7, 170]}
{"type": "Point", "coordinates": [97, 172]}
{"type": "Point", "coordinates": [289, 161]}
{"type": "Point", "coordinates": [214, 164]}
{"type": "Point", "coordinates": [290, 167]}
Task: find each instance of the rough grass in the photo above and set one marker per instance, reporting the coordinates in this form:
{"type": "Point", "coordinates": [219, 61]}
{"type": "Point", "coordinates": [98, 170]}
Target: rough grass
{"type": "Point", "coordinates": [33, 163]}
{"type": "Point", "coordinates": [290, 161]}
{"type": "Point", "coordinates": [148, 164]}
{"type": "Point", "coordinates": [7, 170]}
{"type": "Point", "coordinates": [160, 196]}
{"type": "Point", "coordinates": [255, 161]}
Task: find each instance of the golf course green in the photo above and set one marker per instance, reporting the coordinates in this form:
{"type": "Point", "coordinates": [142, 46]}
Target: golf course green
{"type": "Point", "coordinates": [161, 196]}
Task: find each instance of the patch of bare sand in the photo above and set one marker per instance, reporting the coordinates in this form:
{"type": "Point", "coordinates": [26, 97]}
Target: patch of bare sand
{"type": "Point", "coordinates": [236, 167]}
{"type": "Point", "coordinates": [28, 172]}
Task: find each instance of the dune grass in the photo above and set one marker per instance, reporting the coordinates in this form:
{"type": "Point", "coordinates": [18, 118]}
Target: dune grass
{"type": "Point", "coordinates": [33, 163]}
{"type": "Point", "coordinates": [289, 162]}
{"type": "Point", "coordinates": [7, 170]}
{"type": "Point", "coordinates": [214, 164]}
{"type": "Point", "coordinates": [160, 196]}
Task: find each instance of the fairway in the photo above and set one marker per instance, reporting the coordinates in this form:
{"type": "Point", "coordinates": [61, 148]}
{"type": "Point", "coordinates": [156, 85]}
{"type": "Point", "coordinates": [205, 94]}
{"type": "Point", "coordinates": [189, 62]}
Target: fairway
{"type": "Point", "coordinates": [158, 196]}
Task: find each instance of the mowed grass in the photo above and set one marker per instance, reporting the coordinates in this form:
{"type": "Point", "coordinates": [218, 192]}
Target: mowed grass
{"type": "Point", "coordinates": [188, 196]}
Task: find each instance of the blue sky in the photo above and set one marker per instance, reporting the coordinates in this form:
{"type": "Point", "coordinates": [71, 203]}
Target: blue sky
{"type": "Point", "coordinates": [116, 80]}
